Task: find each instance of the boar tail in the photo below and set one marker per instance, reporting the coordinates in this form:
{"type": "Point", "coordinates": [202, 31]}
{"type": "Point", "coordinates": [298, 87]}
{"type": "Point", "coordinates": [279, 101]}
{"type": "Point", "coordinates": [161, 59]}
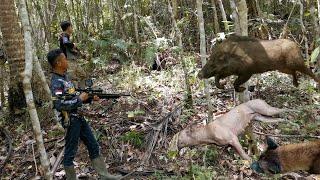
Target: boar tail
{"type": "Point", "coordinates": [308, 72]}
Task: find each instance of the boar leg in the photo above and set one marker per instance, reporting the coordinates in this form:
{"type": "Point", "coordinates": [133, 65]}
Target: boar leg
{"type": "Point", "coordinates": [235, 143]}
{"type": "Point", "coordinates": [240, 80]}
{"type": "Point", "coordinates": [294, 75]}
{"type": "Point", "coordinates": [217, 82]}
{"type": "Point", "coordinates": [295, 79]}
{"type": "Point", "coordinates": [315, 169]}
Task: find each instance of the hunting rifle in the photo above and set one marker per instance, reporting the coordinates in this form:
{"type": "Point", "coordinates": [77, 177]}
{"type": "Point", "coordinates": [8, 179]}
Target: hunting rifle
{"type": "Point", "coordinates": [99, 92]}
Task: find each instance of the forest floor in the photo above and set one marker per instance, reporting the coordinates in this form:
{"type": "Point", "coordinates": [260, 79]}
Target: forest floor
{"type": "Point", "coordinates": [134, 132]}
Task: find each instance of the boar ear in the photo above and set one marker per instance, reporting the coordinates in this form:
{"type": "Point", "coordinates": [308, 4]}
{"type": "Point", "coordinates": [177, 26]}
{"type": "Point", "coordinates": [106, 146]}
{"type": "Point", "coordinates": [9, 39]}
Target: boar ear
{"type": "Point", "coordinates": [271, 144]}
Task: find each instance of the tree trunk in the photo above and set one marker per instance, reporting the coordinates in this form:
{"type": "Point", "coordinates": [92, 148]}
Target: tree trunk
{"type": "Point", "coordinates": [203, 55]}
{"type": "Point", "coordinates": [65, 6]}
{"type": "Point", "coordinates": [188, 99]}
{"type": "Point", "coordinates": [121, 24]}
{"type": "Point", "coordinates": [239, 13]}
{"type": "Point", "coordinates": [86, 16]}
{"type": "Point", "coordinates": [13, 45]}
{"type": "Point", "coordinates": [2, 89]}
{"type": "Point", "coordinates": [318, 3]}
{"type": "Point", "coordinates": [175, 8]}
{"type": "Point", "coordinates": [316, 29]}
{"type": "Point", "coordinates": [135, 20]}
{"type": "Point", "coordinates": [258, 9]}
{"type": "Point", "coordinates": [2, 76]}
{"type": "Point", "coordinates": [215, 17]}
{"type": "Point", "coordinates": [304, 32]}
{"type": "Point", "coordinates": [28, 90]}
{"type": "Point", "coordinates": [224, 16]}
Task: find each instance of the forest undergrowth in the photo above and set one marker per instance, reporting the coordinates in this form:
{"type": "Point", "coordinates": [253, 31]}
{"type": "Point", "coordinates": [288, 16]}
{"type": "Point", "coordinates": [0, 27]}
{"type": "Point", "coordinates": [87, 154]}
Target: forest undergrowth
{"type": "Point", "coordinates": [134, 132]}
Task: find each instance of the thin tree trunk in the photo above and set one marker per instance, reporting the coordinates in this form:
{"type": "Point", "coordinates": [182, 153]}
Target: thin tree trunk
{"type": "Point", "coordinates": [44, 24]}
{"type": "Point", "coordinates": [135, 20]}
{"type": "Point", "coordinates": [239, 13]}
{"type": "Point", "coordinates": [86, 14]}
{"type": "Point", "coordinates": [2, 77]}
{"type": "Point", "coordinates": [99, 13]}
{"type": "Point", "coordinates": [52, 10]}
{"type": "Point", "coordinates": [39, 71]}
{"type": "Point", "coordinates": [102, 16]}
{"type": "Point", "coordinates": [304, 32]}
{"type": "Point", "coordinates": [2, 66]}
{"type": "Point", "coordinates": [258, 8]}
{"type": "Point", "coordinates": [188, 99]}
{"type": "Point", "coordinates": [318, 3]}
{"type": "Point", "coordinates": [224, 16]}
{"type": "Point", "coordinates": [75, 23]}
{"type": "Point", "coordinates": [215, 17]}
{"type": "Point", "coordinates": [121, 23]}
{"type": "Point", "coordinates": [175, 8]}
{"type": "Point", "coordinates": [315, 21]}
{"type": "Point", "coordinates": [203, 55]}
{"type": "Point", "coordinates": [65, 6]}
{"type": "Point", "coordinates": [27, 75]}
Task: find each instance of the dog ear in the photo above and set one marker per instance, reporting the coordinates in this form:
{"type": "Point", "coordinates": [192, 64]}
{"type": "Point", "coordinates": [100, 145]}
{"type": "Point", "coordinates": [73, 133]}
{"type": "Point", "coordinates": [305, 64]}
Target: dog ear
{"type": "Point", "coordinates": [271, 144]}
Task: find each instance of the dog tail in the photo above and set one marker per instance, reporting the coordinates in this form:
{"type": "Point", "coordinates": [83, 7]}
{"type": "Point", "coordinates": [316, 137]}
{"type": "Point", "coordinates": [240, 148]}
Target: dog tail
{"type": "Point", "coordinates": [173, 145]}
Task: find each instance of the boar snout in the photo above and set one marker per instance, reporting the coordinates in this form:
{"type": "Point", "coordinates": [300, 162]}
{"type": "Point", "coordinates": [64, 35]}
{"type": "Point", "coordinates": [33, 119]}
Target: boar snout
{"type": "Point", "coordinates": [206, 73]}
{"type": "Point", "coordinates": [200, 75]}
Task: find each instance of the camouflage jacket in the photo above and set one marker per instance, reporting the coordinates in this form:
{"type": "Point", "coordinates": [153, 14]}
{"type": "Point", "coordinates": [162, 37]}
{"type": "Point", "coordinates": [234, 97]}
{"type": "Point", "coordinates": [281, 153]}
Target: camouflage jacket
{"type": "Point", "coordinates": [67, 46]}
{"type": "Point", "coordinates": [64, 94]}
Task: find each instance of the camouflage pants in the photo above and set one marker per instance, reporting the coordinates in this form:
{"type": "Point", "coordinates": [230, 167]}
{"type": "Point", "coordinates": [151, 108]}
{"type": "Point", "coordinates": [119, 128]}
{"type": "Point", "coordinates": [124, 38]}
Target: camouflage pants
{"type": "Point", "coordinates": [77, 73]}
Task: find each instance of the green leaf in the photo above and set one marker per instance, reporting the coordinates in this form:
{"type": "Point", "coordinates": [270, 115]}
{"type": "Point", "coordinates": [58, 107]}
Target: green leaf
{"type": "Point", "coordinates": [314, 55]}
{"type": "Point", "coordinates": [150, 54]}
{"type": "Point", "coordinates": [172, 154]}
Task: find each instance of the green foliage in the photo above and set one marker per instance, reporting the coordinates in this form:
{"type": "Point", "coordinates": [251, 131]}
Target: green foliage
{"type": "Point", "coordinates": [55, 133]}
{"type": "Point", "coordinates": [133, 137]}
{"type": "Point", "coordinates": [172, 154]}
{"type": "Point", "coordinates": [201, 173]}
{"type": "Point", "coordinates": [108, 46]}
{"type": "Point", "coordinates": [150, 53]}
{"type": "Point", "coordinates": [211, 155]}
{"type": "Point", "coordinates": [153, 46]}
{"type": "Point", "coordinates": [187, 113]}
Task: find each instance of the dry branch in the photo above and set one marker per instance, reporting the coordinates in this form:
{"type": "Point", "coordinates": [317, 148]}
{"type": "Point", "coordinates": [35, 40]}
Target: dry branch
{"type": "Point", "coordinates": [156, 131]}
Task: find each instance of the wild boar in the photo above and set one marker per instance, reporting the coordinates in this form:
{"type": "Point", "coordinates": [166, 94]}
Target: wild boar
{"type": "Point", "coordinates": [244, 56]}
{"type": "Point", "coordinates": [291, 157]}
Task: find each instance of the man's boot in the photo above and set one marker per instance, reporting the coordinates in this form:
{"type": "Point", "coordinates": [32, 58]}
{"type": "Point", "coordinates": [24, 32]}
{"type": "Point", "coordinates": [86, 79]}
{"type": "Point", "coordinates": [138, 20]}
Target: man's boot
{"type": "Point", "coordinates": [99, 165]}
{"type": "Point", "coordinates": [70, 173]}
